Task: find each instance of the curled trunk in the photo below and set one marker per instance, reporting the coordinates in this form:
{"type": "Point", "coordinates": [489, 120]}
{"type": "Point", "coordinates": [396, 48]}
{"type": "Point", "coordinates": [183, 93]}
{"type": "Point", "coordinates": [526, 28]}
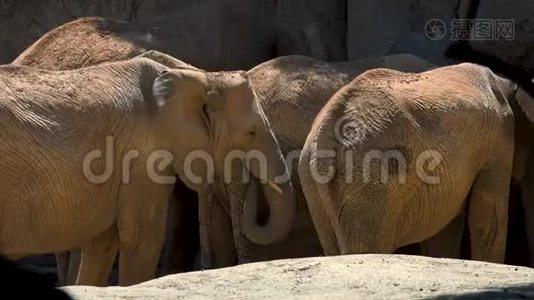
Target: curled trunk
{"type": "Point", "coordinates": [280, 198]}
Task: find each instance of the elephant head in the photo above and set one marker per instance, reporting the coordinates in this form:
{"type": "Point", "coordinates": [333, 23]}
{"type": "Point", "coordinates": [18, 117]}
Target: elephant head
{"type": "Point", "coordinates": [222, 116]}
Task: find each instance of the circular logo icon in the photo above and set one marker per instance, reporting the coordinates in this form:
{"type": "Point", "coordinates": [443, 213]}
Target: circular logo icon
{"type": "Point", "coordinates": [435, 29]}
{"type": "Point", "coordinates": [348, 129]}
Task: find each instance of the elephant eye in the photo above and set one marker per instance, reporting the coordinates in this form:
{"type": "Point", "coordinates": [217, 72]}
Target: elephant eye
{"type": "Point", "coordinates": [251, 132]}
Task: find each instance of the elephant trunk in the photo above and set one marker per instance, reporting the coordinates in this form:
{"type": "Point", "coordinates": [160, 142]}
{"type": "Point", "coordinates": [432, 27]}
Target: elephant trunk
{"type": "Point", "coordinates": [280, 199]}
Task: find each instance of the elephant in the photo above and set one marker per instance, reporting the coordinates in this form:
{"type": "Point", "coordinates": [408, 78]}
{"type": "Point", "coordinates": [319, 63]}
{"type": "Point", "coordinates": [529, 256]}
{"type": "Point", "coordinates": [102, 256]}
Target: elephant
{"type": "Point", "coordinates": [139, 111]}
{"type": "Point", "coordinates": [291, 90]}
{"type": "Point", "coordinates": [219, 225]}
{"type": "Point", "coordinates": [218, 231]}
{"type": "Point", "coordinates": [211, 35]}
{"type": "Point", "coordinates": [443, 142]}
{"type": "Point", "coordinates": [91, 41]}
{"type": "Point", "coordinates": [521, 229]}
{"type": "Point", "coordinates": [181, 242]}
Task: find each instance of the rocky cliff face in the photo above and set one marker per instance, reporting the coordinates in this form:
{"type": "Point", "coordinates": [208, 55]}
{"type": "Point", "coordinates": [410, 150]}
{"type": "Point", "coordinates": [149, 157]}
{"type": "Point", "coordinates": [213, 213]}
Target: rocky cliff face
{"type": "Point", "coordinates": [392, 26]}
{"type": "Point", "coordinates": [23, 22]}
{"type": "Point", "coordinates": [520, 50]}
{"type": "Point", "coordinates": [347, 28]}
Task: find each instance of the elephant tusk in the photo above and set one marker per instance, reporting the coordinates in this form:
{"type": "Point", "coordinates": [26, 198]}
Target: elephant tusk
{"type": "Point", "coordinates": [275, 186]}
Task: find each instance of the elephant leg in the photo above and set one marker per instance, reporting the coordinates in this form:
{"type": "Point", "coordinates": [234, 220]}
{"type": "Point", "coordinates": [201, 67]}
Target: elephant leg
{"type": "Point", "coordinates": [138, 264]}
{"type": "Point", "coordinates": [217, 240]}
{"type": "Point", "coordinates": [97, 258]}
{"type": "Point", "coordinates": [447, 242]}
{"type": "Point", "coordinates": [75, 257]}
{"type": "Point", "coordinates": [62, 262]}
{"type": "Point", "coordinates": [488, 213]}
{"type": "Point", "coordinates": [141, 238]}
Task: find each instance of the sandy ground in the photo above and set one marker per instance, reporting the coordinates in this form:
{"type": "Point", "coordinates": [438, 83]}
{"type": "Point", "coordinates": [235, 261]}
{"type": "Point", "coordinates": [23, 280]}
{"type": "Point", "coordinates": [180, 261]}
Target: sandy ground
{"type": "Point", "coordinates": [341, 277]}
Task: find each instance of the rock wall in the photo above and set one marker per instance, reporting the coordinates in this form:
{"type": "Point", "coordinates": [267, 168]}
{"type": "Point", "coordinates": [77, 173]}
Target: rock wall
{"type": "Point", "coordinates": [520, 50]}
{"type": "Point", "coordinates": [349, 29]}
{"type": "Point", "coordinates": [23, 22]}
{"type": "Point", "coordinates": [393, 26]}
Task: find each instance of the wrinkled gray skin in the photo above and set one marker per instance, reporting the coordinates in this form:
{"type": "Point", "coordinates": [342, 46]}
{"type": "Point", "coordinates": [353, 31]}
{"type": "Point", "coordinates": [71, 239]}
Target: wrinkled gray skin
{"type": "Point", "coordinates": [292, 90]}
{"type": "Point", "coordinates": [465, 112]}
{"type": "Point", "coordinates": [213, 36]}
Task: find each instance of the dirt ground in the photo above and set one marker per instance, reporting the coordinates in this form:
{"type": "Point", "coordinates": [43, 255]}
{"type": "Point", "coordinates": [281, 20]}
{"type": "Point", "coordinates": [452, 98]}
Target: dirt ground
{"type": "Point", "coordinates": [339, 277]}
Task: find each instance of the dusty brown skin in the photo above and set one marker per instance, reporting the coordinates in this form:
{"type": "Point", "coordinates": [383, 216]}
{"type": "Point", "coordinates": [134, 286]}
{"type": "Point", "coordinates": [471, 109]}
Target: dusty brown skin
{"type": "Point", "coordinates": [95, 40]}
{"type": "Point", "coordinates": [44, 141]}
{"type": "Point", "coordinates": [177, 111]}
{"type": "Point", "coordinates": [232, 41]}
{"type": "Point", "coordinates": [291, 90]}
{"type": "Point", "coordinates": [464, 112]}
{"type": "Point", "coordinates": [91, 41]}
{"type": "Point", "coordinates": [181, 242]}
{"type": "Point", "coordinates": [285, 89]}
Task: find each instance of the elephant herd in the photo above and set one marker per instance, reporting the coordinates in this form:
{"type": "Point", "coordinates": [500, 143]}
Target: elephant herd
{"type": "Point", "coordinates": [295, 157]}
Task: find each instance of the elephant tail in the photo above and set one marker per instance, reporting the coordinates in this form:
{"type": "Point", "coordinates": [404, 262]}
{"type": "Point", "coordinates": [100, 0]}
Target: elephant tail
{"type": "Point", "coordinates": [321, 207]}
{"type": "Point", "coordinates": [325, 197]}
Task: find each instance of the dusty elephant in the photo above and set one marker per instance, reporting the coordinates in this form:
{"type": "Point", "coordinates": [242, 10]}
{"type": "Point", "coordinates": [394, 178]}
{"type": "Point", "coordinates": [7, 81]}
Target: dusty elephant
{"type": "Point", "coordinates": [291, 90]}
{"type": "Point", "coordinates": [159, 109]}
{"type": "Point", "coordinates": [520, 247]}
{"type": "Point", "coordinates": [91, 41]}
{"type": "Point", "coordinates": [273, 79]}
{"type": "Point", "coordinates": [442, 134]}
{"type": "Point", "coordinates": [208, 201]}
{"type": "Point", "coordinates": [95, 40]}
{"type": "Point", "coordinates": [44, 106]}
{"type": "Point", "coordinates": [181, 239]}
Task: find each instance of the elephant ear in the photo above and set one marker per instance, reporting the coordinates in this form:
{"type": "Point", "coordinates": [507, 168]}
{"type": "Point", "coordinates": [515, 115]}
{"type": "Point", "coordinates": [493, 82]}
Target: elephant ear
{"type": "Point", "coordinates": [526, 102]}
{"type": "Point", "coordinates": [189, 87]}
